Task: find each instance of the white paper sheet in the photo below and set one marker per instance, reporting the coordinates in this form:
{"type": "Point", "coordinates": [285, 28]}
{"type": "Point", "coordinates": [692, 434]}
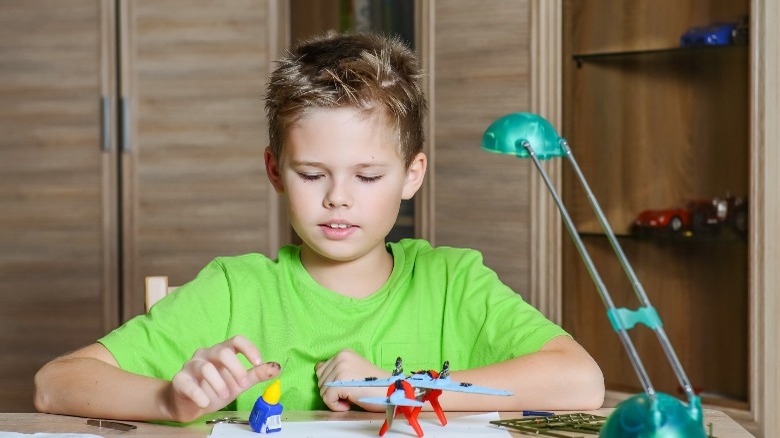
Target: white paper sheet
{"type": "Point", "coordinates": [467, 426]}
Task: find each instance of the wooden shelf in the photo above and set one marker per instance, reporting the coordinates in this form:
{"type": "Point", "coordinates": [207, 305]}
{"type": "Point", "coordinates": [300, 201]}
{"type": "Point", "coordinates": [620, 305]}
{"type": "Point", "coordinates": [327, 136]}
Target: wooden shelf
{"type": "Point", "coordinates": [725, 236]}
{"type": "Point", "coordinates": [655, 124]}
{"type": "Point", "coordinates": [671, 53]}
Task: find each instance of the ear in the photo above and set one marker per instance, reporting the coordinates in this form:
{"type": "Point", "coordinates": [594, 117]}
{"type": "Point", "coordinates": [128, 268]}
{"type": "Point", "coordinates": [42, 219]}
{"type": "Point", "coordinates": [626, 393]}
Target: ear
{"type": "Point", "coordinates": [273, 171]}
{"type": "Point", "coordinates": [415, 175]}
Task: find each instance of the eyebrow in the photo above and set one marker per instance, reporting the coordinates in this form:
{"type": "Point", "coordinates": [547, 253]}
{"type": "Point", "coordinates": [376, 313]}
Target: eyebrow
{"type": "Point", "coordinates": [320, 164]}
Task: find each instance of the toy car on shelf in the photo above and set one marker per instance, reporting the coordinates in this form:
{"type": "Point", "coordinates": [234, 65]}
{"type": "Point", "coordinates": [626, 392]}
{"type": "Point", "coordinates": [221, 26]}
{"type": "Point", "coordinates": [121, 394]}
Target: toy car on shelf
{"type": "Point", "coordinates": [716, 34]}
{"type": "Point", "coordinates": [698, 216]}
{"type": "Point", "coordinates": [670, 219]}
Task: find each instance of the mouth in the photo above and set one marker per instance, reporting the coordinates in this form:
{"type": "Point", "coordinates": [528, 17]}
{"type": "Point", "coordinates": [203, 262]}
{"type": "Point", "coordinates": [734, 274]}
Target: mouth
{"type": "Point", "coordinates": [338, 230]}
{"type": "Point", "coordinates": [337, 225]}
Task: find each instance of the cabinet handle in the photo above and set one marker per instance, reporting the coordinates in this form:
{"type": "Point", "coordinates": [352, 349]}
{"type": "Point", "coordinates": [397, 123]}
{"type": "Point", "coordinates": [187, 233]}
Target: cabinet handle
{"type": "Point", "coordinates": [125, 124]}
{"type": "Point", "coordinates": [105, 124]}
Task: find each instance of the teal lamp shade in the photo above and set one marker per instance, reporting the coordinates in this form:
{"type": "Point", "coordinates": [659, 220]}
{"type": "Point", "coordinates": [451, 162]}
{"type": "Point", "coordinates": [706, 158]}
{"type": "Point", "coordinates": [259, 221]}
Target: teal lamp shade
{"type": "Point", "coordinates": [507, 135]}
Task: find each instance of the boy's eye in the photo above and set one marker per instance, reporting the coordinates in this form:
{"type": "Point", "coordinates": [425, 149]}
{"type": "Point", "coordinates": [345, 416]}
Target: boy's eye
{"type": "Point", "coordinates": [309, 176]}
{"type": "Point", "coordinates": [365, 178]}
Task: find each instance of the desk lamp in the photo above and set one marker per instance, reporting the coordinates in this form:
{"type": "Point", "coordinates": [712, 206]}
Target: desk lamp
{"type": "Point", "coordinates": [651, 414]}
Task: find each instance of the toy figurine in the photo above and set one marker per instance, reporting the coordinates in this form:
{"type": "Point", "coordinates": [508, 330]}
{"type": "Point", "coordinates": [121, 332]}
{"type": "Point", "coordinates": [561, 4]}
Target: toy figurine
{"type": "Point", "coordinates": [266, 416]}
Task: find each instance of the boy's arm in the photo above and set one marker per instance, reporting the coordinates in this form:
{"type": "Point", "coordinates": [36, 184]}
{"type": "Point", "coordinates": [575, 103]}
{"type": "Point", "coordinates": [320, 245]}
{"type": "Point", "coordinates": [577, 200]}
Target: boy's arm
{"type": "Point", "coordinates": [89, 383]}
{"type": "Point", "coordinates": [560, 376]}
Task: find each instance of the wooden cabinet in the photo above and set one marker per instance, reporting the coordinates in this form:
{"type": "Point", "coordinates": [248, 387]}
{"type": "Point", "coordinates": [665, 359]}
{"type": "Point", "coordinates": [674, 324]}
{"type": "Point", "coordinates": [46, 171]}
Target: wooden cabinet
{"type": "Point", "coordinates": [117, 164]}
{"type": "Point", "coordinates": [193, 183]}
{"type": "Point", "coordinates": [58, 259]}
{"type": "Point", "coordinates": [653, 126]}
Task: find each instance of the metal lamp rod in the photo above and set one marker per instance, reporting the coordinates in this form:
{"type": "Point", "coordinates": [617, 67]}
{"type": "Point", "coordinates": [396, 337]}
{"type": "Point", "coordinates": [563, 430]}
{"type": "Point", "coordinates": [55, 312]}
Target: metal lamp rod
{"type": "Point", "coordinates": [625, 339]}
{"type": "Point", "coordinates": [628, 269]}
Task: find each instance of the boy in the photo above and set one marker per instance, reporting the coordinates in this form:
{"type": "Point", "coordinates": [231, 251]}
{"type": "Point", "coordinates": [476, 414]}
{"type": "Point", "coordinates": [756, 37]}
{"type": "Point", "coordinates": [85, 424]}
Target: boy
{"type": "Point", "coordinates": [345, 120]}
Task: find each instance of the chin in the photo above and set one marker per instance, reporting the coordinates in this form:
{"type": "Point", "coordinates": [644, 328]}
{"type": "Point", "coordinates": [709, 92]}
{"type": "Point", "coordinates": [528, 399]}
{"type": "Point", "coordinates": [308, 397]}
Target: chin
{"type": "Point", "coordinates": [341, 253]}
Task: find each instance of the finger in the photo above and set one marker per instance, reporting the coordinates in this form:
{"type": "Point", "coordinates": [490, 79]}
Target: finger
{"type": "Point", "coordinates": [214, 398]}
{"type": "Point", "coordinates": [187, 386]}
{"type": "Point", "coordinates": [214, 379]}
{"type": "Point", "coordinates": [234, 387]}
{"type": "Point", "coordinates": [263, 372]}
{"type": "Point", "coordinates": [318, 366]}
{"type": "Point", "coordinates": [323, 369]}
{"type": "Point", "coordinates": [330, 392]}
{"type": "Point", "coordinates": [227, 361]}
{"type": "Point", "coordinates": [339, 405]}
{"type": "Point", "coordinates": [242, 345]}
{"type": "Point", "coordinates": [333, 400]}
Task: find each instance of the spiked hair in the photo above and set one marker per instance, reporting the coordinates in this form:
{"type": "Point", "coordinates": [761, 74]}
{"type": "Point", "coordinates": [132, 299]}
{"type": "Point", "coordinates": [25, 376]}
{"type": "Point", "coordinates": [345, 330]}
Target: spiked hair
{"type": "Point", "coordinates": [361, 70]}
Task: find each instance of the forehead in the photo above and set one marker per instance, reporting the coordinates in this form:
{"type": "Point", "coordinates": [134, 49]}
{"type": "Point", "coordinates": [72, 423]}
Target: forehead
{"type": "Point", "coordinates": [335, 132]}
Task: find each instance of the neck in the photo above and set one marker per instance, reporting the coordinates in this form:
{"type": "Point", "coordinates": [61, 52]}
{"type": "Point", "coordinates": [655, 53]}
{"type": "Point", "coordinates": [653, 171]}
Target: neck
{"type": "Point", "coordinates": [353, 278]}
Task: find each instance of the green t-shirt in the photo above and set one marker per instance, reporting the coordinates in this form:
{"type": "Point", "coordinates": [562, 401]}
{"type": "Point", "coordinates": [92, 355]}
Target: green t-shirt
{"type": "Point", "coordinates": [438, 304]}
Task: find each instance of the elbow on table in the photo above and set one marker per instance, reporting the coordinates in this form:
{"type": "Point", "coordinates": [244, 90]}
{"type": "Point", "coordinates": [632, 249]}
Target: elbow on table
{"type": "Point", "coordinates": [41, 398]}
{"type": "Point", "coordinates": [593, 391]}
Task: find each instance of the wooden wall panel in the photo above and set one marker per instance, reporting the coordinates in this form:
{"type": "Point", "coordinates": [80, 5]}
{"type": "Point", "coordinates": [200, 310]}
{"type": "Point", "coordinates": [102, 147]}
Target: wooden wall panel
{"type": "Point", "coordinates": [309, 18]}
{"type": "Point", "coordinates": [194, 178]}
{"type": "Point", "coordinates": [481, 53]}
{"type": "Point", "coordinates": [764, 276]}
{"type": "Point", "coordinates": [57, 224]}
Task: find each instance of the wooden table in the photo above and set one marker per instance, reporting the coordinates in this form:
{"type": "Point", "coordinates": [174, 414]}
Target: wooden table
{"type": "Point", "coordinates": [723, 425]}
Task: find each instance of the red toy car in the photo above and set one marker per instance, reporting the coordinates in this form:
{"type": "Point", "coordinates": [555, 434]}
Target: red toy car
{"type": "Point", "coordinates": [671, 219]}
{"type": "Point", "coordinates": [698, 216]}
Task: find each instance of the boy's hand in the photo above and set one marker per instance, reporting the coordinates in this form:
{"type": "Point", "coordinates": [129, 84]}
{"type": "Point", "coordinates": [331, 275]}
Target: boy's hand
{"type": "Point", "coordinates": [214, 377]}
{"type": "Point", "coordinates": [347, 365]}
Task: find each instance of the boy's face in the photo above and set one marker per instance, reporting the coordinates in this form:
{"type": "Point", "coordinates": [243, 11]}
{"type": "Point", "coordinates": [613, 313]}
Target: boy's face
{"type": "Point", "coordinates": [344, 180]}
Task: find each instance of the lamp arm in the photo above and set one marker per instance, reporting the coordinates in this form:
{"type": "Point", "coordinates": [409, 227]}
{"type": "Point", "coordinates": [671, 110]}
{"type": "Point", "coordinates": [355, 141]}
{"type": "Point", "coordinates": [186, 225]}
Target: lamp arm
{"type": "Point", "coordinates": [634, 280]}
{"type": "Point", "coordinates": [625, 339]}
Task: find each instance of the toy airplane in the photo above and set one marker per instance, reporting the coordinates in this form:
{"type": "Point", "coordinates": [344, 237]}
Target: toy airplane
{"type": "Point", "coordinates": [407, 394]}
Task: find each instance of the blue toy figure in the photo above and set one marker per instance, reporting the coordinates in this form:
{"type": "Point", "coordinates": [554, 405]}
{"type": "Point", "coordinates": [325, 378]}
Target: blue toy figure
{"type": "Point", "coordinates": [266, 416]}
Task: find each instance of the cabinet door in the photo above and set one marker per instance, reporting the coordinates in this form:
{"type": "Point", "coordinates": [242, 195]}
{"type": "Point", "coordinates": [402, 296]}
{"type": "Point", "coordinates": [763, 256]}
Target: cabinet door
{"type": "Point", "coordinates": [194, 187]}
{"type": "Point", "coordinates": [57, 221]}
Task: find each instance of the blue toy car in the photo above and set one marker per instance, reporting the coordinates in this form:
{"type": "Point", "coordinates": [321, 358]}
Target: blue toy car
{"type": "Point", "coordinates": [716, 34]}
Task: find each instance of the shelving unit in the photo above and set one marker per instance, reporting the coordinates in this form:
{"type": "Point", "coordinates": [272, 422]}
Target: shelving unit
{"type": "Point", "coordinates": [653, 126]}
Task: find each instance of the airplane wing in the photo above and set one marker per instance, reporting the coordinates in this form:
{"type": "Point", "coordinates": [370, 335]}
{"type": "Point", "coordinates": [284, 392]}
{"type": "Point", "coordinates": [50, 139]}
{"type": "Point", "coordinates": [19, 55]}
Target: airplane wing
{"type": "Point", "coordinates": [447, 384]}
{"type": "Point", "coordinates": [367, 382]}
{"type": "Point", "coordinates": [398, 398]}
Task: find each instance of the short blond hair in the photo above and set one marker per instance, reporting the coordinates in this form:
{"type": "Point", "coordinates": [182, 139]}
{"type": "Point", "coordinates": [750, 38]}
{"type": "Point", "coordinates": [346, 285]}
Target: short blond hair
{"type": "Point", "coordinates": [362, 70]}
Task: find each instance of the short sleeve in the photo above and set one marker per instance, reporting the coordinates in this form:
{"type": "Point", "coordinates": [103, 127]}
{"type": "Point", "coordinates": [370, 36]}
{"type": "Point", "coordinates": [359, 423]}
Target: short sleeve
{"type": "Point", "coordinates": [501, 325]}
{"type": "Point", "coordinates": [195, 315]}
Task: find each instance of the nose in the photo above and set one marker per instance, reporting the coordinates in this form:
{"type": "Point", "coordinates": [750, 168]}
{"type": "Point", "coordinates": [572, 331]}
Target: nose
{"type": "Point", "coordinates": [337, 196]}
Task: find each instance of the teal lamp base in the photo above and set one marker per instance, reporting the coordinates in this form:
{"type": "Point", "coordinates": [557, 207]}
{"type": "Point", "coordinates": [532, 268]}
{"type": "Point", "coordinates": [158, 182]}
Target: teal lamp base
{"type": "Point", "coordinates": [668, 417]}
